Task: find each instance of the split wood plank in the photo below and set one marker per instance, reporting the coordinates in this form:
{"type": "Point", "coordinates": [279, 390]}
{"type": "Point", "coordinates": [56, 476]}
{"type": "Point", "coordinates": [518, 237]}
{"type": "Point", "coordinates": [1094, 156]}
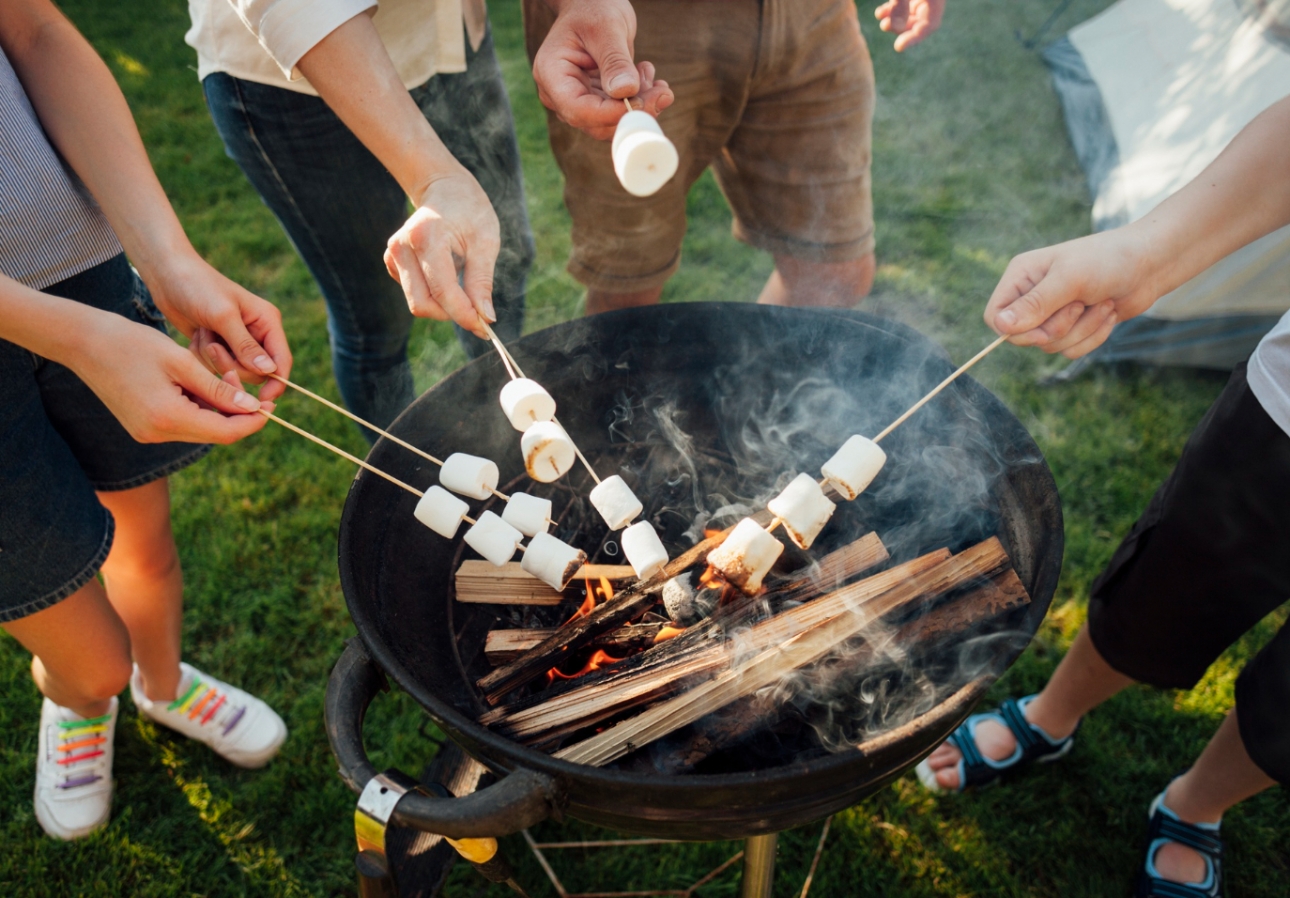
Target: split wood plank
{"type": "Point", "coordinates": [484, 583]}
{"type": "Point", "coordinates": [768, 666]}
{"type": "Point", "coordinates": [503, 646]}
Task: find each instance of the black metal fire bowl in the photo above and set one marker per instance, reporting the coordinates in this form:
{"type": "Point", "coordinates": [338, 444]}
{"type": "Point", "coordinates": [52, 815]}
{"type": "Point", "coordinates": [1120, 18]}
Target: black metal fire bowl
{"type": "Point", "coordinates": [697, 405]}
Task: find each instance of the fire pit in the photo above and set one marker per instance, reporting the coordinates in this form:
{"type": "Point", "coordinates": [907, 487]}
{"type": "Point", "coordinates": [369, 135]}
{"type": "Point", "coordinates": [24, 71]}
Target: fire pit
{"type": "Point", "coordinates": [703, 407]}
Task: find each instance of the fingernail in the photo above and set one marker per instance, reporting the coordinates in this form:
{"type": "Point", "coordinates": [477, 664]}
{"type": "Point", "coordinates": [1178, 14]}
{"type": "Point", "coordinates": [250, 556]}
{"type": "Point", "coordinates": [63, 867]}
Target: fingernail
{"type": "Point", "coordinates": [619, 81]}
{"type": "Point", "coordinates": [210, 354]}
{"type": "Point", "coordinates": [1006, 318]}
{"type": "Point", "coordinates": [488, 311]}
{"type": "Point", "coordinates": [246, 401]}
{"type": "Point", "coordinates": [265, 364]}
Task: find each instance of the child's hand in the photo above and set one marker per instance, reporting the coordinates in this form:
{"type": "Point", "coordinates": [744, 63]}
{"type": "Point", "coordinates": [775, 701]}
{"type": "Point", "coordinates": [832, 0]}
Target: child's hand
{"type": "Point", "coordinates": [911, 20]}
{"type": "Point", "coordinates": [1067, 298]}
{"type": "Point", "coordinates": [193, 296]}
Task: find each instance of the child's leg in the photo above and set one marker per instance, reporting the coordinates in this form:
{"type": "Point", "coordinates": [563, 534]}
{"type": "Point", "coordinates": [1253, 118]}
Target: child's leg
{"type": "Point", "coordinates": [145, 583]}
{"type": "Point", "coordinates": [80, 650]}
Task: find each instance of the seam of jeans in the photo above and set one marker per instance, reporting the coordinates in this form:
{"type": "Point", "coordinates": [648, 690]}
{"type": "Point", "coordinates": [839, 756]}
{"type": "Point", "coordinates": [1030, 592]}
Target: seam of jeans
{"type": "Point", "coordinates": [300, 216]}
{"type": "Point", "coordinates": [83, 576]}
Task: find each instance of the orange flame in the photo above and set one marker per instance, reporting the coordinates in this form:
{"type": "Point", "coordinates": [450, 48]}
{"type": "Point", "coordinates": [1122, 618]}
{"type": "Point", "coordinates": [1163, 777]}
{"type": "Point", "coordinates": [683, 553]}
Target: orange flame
{"type": "Point", "coordinates": [599, 658]}
{"type": "Point", "coordinates": [666, 633]}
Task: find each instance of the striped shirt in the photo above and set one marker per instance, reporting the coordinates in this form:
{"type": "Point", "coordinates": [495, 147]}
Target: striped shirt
{"type": "Point", "coordinates": [50, 227]}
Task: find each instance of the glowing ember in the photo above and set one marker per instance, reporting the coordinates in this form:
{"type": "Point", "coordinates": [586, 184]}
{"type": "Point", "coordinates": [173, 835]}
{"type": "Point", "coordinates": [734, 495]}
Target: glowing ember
{"type": "Point", "coordinates": [666, 633]}
{"type": "Point", "coordinates": [597, 592]}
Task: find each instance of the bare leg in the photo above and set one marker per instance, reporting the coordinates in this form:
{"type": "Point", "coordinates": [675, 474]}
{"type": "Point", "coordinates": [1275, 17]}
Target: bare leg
{"type": "Point", "coordinates": [1082, 681]}
{"type": "Point", "coordinates": [145, 583]}
{"type": "Point", "coordinates": [603, 301]}
{"type": "Point", "coordinates": [797, 282]}
{"type": "Point", "coordinates": [80, 650]}
{"type": "Point", "coordinates": [1222, 776]}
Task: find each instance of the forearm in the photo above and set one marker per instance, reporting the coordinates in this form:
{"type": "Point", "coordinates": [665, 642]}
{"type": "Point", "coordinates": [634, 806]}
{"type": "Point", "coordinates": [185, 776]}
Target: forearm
{"type": "Point", "coordinates": [352, 72]}
{"type": "Point", "coordinates": [88, 122]}
{"type": "Point", "coordinates": [1241, 196]}
{"type": "Point", "coordinates": [49, 326]}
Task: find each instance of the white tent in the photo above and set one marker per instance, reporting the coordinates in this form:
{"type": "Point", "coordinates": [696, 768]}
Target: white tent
{"type": "Point", "coordinates": [1153, 90]}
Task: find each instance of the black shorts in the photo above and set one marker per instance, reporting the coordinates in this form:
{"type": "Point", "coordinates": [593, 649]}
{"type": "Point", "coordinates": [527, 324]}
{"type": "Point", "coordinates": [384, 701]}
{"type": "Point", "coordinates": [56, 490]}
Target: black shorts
{"type": "Point", "coordinates": [58, 445]}
{"type": "Point", "coordinates": [1207, 561]}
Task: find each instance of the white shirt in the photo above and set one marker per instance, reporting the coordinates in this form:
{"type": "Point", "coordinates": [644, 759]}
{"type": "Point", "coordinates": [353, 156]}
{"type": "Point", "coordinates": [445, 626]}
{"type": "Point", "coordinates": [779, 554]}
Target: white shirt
{"type": "Point", "coordinates": [1268, 373]}
{"type": "Point", "coordinates": [262, 40]}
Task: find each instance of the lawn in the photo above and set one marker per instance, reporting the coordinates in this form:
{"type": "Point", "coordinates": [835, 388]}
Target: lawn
{"type": "Point", "coordinates": [971, 165]}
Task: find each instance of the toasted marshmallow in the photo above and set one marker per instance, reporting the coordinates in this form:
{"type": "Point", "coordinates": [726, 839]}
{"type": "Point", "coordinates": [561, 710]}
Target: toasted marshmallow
{"type": "Point", "coordinates": [469, 475]}
{"type": "Point", "coordinates": [552, 561]}
{"type": "Point", "coordinates": [746, 555]}
{"type": "Point", "coordinates": [441, 511]}
{"type": "Point", "coordinates": [644, 550]}
{"type": "Point", "coordinates": [854, 466]}
{"type": "Point", "coordinates": [644, 159]}
{"type": "Point", "coordinates": [527, 514]}
{"type": "Point", "coordinates": [548, 451]}
{"type": "Point", "coordinates": [493, 538]}
{"type": "Point", "coordinates": [803, 508]}
{"type": "Point", "coordinates": [526, 402]}
{"type": "Point", "coordinates": [616, 502]}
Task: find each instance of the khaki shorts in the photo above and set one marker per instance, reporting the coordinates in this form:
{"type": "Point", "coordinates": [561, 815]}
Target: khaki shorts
{"type": "Point", "coordinates": [777, 96]}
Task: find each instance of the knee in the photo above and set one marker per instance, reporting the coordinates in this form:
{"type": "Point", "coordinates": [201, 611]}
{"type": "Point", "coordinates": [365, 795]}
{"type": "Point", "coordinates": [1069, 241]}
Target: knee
{"type": "Point", "coordinates": [108, 679]}
{"type": "Point", "coordinates": [152, 561]}
{"type": "Point", "coordinates": [811, 283]}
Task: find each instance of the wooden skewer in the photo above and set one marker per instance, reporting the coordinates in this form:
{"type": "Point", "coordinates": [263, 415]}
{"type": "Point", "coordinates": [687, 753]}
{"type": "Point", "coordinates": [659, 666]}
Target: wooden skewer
{"type": "Point", "coordinates": [942, 385]}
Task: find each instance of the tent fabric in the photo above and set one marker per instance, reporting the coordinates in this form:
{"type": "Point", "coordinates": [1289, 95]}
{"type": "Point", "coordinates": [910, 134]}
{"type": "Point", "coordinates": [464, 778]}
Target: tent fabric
{"type": "Point", "coordinates": [1152, 91]}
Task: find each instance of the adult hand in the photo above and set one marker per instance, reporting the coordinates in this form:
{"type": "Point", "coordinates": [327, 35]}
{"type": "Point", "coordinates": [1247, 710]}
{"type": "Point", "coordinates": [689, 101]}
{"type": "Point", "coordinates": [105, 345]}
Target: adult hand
{"type": "Point", "coordinates": [1067, 298]}
{"type": "Point", "coordinates": [454, 229]}
{"type": "Point", "coordinates": [584, 69]}
{"type": "Point", "coordinates": [193, 296]}
{"type": "Point", "coordinates": [157, 390]}
{"type": "Point", "coordinates": [911, 20]}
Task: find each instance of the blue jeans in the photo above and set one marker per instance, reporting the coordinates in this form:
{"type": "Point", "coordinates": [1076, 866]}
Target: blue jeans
{"type": "Point", "coordinates": [339, 206]}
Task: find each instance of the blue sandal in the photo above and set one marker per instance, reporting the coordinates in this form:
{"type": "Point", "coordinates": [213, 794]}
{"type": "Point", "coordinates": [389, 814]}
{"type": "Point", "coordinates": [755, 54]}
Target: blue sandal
{"type": "Point", "coordinates": [1164, 826]}
{"type": "Point", "coordinates": [975, 769]}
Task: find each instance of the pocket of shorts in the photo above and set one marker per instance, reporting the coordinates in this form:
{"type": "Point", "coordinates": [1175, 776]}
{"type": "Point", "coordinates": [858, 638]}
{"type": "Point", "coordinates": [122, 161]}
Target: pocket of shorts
{"type": "Point", "coordinates": [145, 309]}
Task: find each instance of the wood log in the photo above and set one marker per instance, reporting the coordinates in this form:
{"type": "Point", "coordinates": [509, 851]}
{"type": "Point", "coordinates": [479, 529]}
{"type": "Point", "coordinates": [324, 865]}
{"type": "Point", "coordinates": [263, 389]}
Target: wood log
{"type": "Point", "coordinates": [965, 615]}
{"type": "Point", "coordinates": [785, 645]}
{"type": "Point", "coordinates": [485, 583]}
{"type": "Point", "coordinates": [504, 646]}
{"type": "Point", "coordinates": [672, 669]}
{"type": "Point", "coordinates": [836, 568]}
{"type": "Point", "coordinates": [629, 604]}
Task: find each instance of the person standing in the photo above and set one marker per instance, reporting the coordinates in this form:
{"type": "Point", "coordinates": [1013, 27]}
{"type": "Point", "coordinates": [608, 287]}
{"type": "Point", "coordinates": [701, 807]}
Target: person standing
{"type": "Point", "coordinates": [340, 113]}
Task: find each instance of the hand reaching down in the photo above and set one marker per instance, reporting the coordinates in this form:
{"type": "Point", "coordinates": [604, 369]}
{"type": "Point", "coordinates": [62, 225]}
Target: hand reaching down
{"type": "Point", "coordinates": [912, 21]}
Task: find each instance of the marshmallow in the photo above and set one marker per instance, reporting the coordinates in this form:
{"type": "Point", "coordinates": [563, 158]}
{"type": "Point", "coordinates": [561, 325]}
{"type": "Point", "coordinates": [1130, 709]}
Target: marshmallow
{"type": "Point", "coordinates": [644, 159]}
{"type": "Point", "coordinates": [746, 555]}
{"type": "Point", "coordinates": [469, 475]}
{"type": "Point", "coordinates": [441, 511]}
{"type": "Point", "coordinates": [527, 514]}
{"type": "Point", "coordinates": [644, 549]}
{"type": "Point", "coordinates": [552, 561]}
{"type": "Point", "coordinates": [526, 402]}
{"type": "Point", "coordinates": [854, 466]}
{"type": "Point", "coordinates": [493, 538]}
{"type": "Point", "coordinates": [548, 451]}
{"type": "Point", "coordinates": [803, 508]}
{"type": "Point", "coordinates": [616, 502]}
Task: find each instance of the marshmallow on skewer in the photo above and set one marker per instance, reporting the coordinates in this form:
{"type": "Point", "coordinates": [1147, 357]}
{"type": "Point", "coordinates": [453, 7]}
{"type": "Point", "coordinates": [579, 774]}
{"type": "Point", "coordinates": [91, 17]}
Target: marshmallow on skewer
{"type": "Point", "coordinates": [644, 159]}
{"type": "Point", "coordinates": [469, 475]}
{"type": "Point", "coordinates": [644, 550]}
{"type": "Point", "coordinates": [493, 538]}
{"type": "Point", "coordinates": [526, 402]}
{"type": "Point", "coordinates": [441, 511]}
{"type": "Point", "coordinates": [552, 561]}
{"type": "Point", "coordinates": [616, 502]}
{"type": "Point", "coordinates": [527, 514]}
{"type": "Point", "coordinates": [548, 451]}
{"type": "Point", "coordinates": [854, 466]}
{"type": "Point", "coordinates": [803, 508]}
{"type": "Point", "coordinates": [746, 556]}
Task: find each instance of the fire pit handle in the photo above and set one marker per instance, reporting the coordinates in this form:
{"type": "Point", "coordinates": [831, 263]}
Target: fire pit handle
{"type": "Point", "coordinates": [517, 801]}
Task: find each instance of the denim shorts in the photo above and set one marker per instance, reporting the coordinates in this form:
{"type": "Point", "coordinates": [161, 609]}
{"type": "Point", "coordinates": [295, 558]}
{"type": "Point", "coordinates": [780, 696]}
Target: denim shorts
{"type": "Point", "coordinates": [58, 445]}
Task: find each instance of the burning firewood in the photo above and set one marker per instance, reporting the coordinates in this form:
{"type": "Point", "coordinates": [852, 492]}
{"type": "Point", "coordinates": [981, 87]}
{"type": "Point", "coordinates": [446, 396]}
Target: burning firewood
{"type": "Point", "coordinates": [481, 582]}
{"type": "Point", "coordinates": [785, 644]}
{"type": "Point", "coordinates": [674, 665]}
{"type": "Point", "coordinates": [504, 646]}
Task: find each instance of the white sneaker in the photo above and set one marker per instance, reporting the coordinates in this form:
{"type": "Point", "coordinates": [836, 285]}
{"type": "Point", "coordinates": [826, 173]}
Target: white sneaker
{"type": "Point", "coordinates": [239, 727]}
{"type": "Point", "coordinates": [74, 771]}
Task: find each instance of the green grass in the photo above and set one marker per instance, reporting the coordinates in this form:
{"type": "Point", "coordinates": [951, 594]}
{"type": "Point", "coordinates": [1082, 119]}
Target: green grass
{"type": "Point", "coordinates": [971, 164]}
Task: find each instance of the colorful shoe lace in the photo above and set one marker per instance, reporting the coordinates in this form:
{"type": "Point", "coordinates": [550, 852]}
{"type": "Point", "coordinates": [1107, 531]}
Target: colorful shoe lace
{"type": "Point", "coordinates": [74, 771]}
{"type": "Point", "coordinates": [238, 726]}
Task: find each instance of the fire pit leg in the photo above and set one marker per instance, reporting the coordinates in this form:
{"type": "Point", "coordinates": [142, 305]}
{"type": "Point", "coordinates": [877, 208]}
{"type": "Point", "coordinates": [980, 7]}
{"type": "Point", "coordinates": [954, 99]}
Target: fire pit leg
{"type": "Point", "coordinates": [759, 866]}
